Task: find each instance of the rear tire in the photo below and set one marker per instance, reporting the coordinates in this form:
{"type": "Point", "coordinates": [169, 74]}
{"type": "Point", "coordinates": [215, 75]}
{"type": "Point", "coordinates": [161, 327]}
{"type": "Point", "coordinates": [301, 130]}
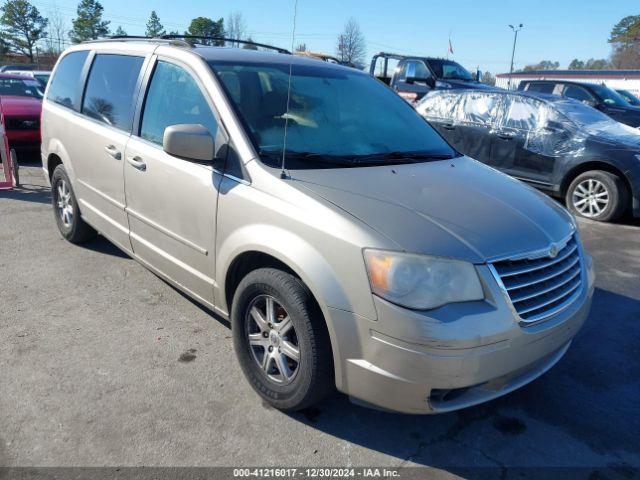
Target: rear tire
{"type": "Point", "coordinates": [65, 207]}
{"type": "Point", "coordinates": [266, 344]}
{"type": "Point", "coordinates": [597, 195]}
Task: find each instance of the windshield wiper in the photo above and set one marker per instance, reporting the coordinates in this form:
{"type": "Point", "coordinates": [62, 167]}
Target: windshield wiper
{"type": "Point", "coordinates": [386, 156]}
{"type": "Point", "coordinates": [310, 156]}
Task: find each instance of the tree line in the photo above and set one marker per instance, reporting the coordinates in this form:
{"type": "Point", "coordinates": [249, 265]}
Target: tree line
{"type": "Point", "coordinates": [625, 50]}
{"type": "Point", "coordinates": [24, 30]}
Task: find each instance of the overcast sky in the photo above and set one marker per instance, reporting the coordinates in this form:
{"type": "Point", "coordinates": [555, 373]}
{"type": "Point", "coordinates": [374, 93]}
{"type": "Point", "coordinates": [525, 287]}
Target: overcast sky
{"type": "Point", "coordinates": [557, 30]}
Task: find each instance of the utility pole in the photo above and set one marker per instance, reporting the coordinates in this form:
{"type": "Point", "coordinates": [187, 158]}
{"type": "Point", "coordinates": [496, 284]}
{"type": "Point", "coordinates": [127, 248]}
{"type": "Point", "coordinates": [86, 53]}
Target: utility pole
{"type": "Point", "coordinates": [513, 52]}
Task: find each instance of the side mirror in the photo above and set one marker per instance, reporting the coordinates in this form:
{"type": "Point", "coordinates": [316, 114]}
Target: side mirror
{"type": "Point", "coordinates": [189, 141]}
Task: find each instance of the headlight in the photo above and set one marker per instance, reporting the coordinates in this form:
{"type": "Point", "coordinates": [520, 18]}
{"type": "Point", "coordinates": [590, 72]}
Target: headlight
{"type": "Point", "coordinates": [440, 84]}
{"type": "Point", "coordinates": [421, 282]}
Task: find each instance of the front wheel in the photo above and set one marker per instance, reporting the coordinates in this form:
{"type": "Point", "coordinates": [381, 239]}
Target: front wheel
{"type": "Point", "coordinates": [281, 340]}
{"type": "Point", "coordinates": [597, 195]}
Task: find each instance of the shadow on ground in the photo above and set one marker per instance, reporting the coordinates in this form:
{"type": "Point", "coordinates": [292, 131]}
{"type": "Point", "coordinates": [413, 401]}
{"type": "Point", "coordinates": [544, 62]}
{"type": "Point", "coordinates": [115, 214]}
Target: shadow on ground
{"type": "Point", "coordinates": [589, 401]}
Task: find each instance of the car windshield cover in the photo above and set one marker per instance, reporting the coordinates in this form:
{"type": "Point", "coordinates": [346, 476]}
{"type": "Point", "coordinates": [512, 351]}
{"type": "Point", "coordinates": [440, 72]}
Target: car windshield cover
{"type": "Point", "coordinates": [610, 97]}
{"type": "Point", "coordinates": [18, 87]}
{"type": "Point", "coordinates": [448, 70]}
{"type": "Point", "coordinates": [337, 117]}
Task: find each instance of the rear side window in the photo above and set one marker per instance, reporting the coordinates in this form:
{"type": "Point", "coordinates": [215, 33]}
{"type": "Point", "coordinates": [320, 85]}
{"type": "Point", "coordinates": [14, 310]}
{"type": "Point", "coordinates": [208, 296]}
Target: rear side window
{"type": "Point", "coordinates": [541, 87]}
{"type": "Point", "coordinates": [65, 84]}
{"type": "Point", "coordinates": [578, 93]}
{"type": "Point", "coordinates": [111, 89]}
{"type": "Point", "coordinates": [522, 113]}
{"type": "Point", "coordinates": [479, 108]}
{"type": "Point", "coordinates": [174, 98]}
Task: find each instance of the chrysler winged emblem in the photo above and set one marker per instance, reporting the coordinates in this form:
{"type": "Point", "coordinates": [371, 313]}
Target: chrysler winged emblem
{"type": "Point", "coordinates": [553, 251]}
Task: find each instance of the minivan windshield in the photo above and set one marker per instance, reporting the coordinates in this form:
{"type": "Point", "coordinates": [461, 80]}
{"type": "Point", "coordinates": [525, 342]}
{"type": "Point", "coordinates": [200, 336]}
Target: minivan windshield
{"type": "Point", "coordinates": [337, 117]}
{"type": "Point", "coordinates": [449, 70]}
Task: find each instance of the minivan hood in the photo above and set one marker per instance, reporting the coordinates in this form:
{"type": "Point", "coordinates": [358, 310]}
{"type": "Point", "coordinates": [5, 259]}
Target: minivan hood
{"type": "Point", "coordinates": [455, 208]}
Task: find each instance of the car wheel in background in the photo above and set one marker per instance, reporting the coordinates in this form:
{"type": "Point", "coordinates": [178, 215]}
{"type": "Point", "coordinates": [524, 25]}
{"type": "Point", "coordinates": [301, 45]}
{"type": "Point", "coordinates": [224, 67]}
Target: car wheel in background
{"type": "Point", "coordinates": [65, 207]}
{"type": "Point", "coordinates": [597, 195]}
{"type": "Point", "coordinates": [281, 340]}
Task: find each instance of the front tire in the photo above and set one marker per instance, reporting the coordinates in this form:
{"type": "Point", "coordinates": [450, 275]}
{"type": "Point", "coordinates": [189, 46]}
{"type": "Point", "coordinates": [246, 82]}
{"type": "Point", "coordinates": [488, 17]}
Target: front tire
{"type": "Point", "coordinates": [281, 340]}
{"type": "Point", "coordinates": [65, 207]}
{"type": "Point", "coordinates": [597, 195]}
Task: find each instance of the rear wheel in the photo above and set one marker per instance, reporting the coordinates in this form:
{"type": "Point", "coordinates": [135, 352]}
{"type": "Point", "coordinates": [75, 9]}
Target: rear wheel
{"type": "Point", "coordinates": [597, 195]}
{"type": "Point", "coordinates": [65, 207]}
{"type": "Point", "coordinates": [281, 340]}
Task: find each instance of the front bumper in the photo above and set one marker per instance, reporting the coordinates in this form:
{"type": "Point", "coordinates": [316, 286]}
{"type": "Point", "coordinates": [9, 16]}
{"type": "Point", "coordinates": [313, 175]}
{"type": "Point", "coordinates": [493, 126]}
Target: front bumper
{"type": "Point", "coordinates": [453, 357]}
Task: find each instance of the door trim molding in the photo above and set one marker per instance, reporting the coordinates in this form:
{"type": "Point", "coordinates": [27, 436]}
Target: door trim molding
{"type": "Point", "coordinates": [167, 232]}
{"type": "Point", "coordinates": [103, 195]}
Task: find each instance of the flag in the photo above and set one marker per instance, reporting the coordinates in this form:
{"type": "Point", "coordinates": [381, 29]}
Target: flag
{"type": "Point", "coordinates": [450, 46]}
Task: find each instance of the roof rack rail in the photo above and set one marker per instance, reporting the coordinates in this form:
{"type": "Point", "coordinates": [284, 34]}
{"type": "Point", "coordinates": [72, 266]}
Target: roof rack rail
{"type": "Point", "coordinates": [124, 38]}
{"type": "Point", "coordinates": [186, 38]}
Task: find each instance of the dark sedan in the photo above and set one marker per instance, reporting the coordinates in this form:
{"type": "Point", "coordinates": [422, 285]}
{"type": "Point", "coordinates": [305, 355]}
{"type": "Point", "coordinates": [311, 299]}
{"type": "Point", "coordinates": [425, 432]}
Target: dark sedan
{"type": "Point", "coordinates": [601, 97]}
{"type": "Point", "coordinates": [556, 144]}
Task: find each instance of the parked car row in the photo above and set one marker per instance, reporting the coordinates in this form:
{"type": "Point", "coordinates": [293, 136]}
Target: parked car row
{"type": "Point", "coordinates": [348, 243]}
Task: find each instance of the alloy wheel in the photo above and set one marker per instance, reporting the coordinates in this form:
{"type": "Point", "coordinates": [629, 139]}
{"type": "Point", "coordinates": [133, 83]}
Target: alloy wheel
{"type": "Point", "coordinates": [64, 204]}
{"type": "Point", "coordinates": [272, 339]}
{"type": "Point", "coordinates": [590, 197]}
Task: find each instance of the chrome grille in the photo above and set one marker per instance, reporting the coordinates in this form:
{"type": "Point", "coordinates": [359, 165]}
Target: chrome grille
{"type": "Point", "coordinates": [541, 287]}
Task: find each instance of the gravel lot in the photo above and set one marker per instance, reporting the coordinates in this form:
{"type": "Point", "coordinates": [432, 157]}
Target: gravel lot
{"type": "Point", "coordinates": [103, 364]}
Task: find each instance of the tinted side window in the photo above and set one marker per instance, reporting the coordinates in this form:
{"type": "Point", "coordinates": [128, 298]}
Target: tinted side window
{"type": "Point", "coordinates": [174, 98]}
{"type": "Point", "coordinates": [578, 93]}
{"type": "Point", "coordinates": [541, 87]}
{"type": "Point", "coordinates": [65, 85]}
{"type": "Point", "coordinates": [111, 89]}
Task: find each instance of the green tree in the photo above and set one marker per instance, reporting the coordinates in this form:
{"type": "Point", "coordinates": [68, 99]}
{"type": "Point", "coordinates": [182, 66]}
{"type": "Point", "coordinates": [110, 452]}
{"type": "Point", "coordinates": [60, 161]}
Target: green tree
{"type": "Point", "coordinates": [596, 64]}
{"type": "Point", "coordinates": [543, 65]}
{"type": "Point", "coordinates": [248, 46]}
{"type": "Point", "coordinates": [120, 32]}
{"type": "Point", "coordinates": [206, 27]}
{"type": "Point", "coordinates": [154, 27]}
{"type": "Point", "coordinates": [576, 64]}
{"type": "Point", "coordinates": [488, 78]}
{"type": "Point", "coordinates": [625, 39]}
{"type": "Point", "coordinates": [88, 25]}
{"type": "Point", "coordinates": [22, 26]}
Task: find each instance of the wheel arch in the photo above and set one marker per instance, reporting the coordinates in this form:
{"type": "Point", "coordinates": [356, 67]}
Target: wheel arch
{"type": "Point", "coordinates": [581, 168]}
{"type": "Point", "coordinates": [284, 250]}
{"type": "Point", "coordinates": [56, 155]}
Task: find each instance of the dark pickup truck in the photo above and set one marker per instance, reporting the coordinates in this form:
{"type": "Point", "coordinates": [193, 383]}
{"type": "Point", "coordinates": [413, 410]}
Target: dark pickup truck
{"type": "Point", "coordinates": [414, 77]}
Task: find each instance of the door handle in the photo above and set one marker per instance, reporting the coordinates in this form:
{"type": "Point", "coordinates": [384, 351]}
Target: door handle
{"type": "Point", "coordinates": [449, 126]}
{"type": "Point", "coordinates": [137, 162]}
{"type": "Point", "coordinates": [112, 151]}
{"type": "Point", "coordinates": [506, 136]}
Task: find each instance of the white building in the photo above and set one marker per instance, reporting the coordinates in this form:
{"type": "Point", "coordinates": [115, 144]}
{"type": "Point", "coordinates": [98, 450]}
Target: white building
{"type": "Point", "coordinates": [615, 79]}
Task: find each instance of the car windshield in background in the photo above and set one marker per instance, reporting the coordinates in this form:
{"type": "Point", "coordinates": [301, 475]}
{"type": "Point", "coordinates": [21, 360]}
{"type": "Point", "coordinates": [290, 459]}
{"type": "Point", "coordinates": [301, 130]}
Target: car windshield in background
{"type": "Point", "coordinates": [19, 87]}
{"type": "Point", "coordinates": [42, 77]}
{"type": "Point", "coordinates": [449, 70]}
{"type": "Point", "coordinates": [629, 97]}
{"type": "Point", "coordinates": [336, 117]}
{"type": "Point", "coordinates": [610, 97]}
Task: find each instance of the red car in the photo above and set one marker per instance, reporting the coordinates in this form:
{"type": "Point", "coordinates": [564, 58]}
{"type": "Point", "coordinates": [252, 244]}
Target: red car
{"type": "Point", "coordinates": [21, 100]}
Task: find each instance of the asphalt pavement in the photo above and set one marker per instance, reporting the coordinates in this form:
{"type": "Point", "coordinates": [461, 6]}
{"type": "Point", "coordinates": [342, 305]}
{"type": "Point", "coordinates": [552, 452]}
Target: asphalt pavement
{"type": "Point", "coordinates": [104, 364]}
